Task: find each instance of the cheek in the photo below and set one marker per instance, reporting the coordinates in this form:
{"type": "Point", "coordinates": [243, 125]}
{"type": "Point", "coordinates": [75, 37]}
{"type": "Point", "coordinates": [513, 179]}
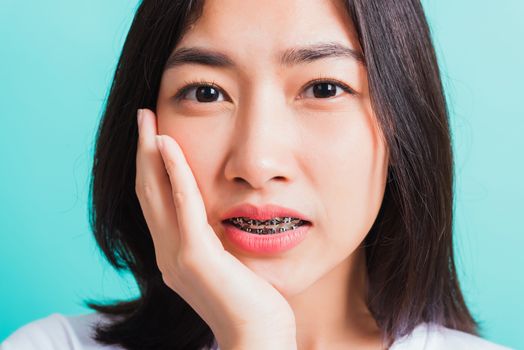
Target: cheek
{"type": "Point", "coordinates": [352, 171]}
{"type": "Point", "coordinates": [200, 144]}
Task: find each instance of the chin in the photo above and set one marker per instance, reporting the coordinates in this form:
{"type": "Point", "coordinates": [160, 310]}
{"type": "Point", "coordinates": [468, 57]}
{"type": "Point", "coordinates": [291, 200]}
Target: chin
{"type": "Point", "coordinates": [288, 278]}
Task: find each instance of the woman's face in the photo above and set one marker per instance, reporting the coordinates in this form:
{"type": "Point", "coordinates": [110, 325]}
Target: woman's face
{"type": "Point", "coordinates": [267, 134]}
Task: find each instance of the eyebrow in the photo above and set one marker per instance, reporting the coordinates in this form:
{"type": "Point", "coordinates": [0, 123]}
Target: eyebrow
{"type": "Point", "coordinates": [289, 57]}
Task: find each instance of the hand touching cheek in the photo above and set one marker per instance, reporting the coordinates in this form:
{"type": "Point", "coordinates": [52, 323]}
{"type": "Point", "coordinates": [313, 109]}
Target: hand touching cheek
{"type": "Point", "coordinates": [242, 309]}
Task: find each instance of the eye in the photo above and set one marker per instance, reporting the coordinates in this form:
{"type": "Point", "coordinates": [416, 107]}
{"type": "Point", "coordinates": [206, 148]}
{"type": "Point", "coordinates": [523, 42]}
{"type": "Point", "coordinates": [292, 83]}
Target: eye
{"type": "Point", "coordinates": [325, 88]}
{"type": "Point", "coordinates": [202, 92]}
{"type": "Point", "coordinates": [206, 92]}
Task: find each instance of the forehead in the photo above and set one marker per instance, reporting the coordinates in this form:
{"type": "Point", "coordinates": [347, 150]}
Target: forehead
{"type": "Point", "coordinates": [248, 30]}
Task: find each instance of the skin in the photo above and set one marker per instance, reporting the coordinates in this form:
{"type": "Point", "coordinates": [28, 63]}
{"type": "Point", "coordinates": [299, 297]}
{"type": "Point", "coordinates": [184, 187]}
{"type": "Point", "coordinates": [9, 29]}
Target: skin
{"type": "Point", "coordinates": [267, 139]}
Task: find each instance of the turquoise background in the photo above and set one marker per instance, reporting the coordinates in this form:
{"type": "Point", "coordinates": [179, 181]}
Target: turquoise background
{"type": "Point", "coordinates": [57, 61]}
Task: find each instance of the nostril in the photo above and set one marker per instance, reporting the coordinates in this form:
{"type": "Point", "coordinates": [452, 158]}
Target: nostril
{"type": "Point", "coordinates": [240, 180]}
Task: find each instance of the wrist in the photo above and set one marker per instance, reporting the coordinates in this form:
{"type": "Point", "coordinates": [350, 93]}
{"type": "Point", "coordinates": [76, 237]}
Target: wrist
{"type": "Point", "coordinates": [281, 339]}
{"type": "Point", "coordinates": [257, 344]}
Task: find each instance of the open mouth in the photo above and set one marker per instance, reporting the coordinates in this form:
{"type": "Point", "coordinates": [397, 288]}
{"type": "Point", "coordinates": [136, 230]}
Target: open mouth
{"type": "Point", "coordinates": [266, 227]}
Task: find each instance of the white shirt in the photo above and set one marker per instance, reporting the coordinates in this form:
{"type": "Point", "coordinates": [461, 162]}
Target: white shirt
{"type": "Point", "coordinates": [60, 332]}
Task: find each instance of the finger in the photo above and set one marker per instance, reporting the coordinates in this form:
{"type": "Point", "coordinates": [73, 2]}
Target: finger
{"type": "Point", "coordinates": [153, 186]}
{"type": "Point", "coordinates": [189, 205]}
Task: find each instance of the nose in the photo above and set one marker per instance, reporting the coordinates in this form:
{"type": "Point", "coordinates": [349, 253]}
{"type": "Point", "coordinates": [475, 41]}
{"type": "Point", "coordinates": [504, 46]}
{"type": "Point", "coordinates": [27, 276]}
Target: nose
{"type": "Point", "coordinates": [262, 147]}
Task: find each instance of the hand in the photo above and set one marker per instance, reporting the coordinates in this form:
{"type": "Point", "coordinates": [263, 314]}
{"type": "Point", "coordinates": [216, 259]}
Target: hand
{"type": "Point", "coordinates": [242, 309]}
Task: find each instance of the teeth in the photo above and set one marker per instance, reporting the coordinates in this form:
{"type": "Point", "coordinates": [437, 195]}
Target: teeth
{"type": "Point", "coordinates": [278, 224]}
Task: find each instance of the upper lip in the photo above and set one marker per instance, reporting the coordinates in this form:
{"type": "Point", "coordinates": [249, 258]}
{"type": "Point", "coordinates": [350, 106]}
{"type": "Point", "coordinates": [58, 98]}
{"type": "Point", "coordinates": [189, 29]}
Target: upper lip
{"type": "Point", "coordinates": [263, 213]}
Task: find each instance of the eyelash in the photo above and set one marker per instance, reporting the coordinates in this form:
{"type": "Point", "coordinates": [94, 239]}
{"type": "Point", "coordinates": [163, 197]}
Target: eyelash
{"type": "Point", "coordinates": [199, 83]}
{"type": "Point", "coordinates": [195, 83]}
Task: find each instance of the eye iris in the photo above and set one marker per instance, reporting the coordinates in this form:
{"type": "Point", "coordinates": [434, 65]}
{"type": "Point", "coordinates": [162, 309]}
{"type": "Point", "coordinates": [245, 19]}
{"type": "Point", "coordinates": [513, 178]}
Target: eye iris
{"type": "Point", "coordinates": [206, 94]}
{"type": "Point", "coordinates": [324, 90]}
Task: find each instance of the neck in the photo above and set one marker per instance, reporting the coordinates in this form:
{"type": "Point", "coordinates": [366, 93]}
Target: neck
{"type": "Point", "coordinates": [332, 313]}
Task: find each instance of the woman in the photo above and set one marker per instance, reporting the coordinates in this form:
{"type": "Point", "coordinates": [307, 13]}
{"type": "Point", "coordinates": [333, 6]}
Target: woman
{"type": "Point", "coordinates": [300, 196]}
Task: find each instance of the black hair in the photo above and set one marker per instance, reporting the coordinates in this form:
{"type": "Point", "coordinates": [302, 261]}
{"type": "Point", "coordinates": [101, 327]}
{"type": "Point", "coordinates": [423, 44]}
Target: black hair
{"type": "Point", "coordinates": [409, 250]}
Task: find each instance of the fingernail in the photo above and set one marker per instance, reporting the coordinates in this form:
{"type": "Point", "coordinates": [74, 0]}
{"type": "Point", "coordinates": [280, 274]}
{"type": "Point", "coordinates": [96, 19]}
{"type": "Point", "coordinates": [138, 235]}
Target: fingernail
{"type": "Point", "coordinates": [139, 117]}
{"type": "Point", "coordinates": [159, 142]}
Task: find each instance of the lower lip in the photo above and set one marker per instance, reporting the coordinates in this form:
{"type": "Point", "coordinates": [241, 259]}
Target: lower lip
{"type": "Point", "coordinates": [271, 243]}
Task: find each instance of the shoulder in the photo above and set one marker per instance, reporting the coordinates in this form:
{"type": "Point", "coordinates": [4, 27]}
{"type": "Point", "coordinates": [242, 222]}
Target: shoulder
{"type": "Point", "coordinates": [431, 336]}
{"type": "Point", "coordinates": [57, 332]}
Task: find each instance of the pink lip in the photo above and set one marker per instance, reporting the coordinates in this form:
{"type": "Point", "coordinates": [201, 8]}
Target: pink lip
{"type": "Point", "coordinates": [265, 212]}
{"type": "Point", "coordinates": [271, 243]}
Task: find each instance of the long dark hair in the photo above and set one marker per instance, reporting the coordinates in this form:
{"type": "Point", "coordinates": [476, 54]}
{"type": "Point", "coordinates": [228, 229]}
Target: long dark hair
{"type": "Point", "coordinates": [409, 249]}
